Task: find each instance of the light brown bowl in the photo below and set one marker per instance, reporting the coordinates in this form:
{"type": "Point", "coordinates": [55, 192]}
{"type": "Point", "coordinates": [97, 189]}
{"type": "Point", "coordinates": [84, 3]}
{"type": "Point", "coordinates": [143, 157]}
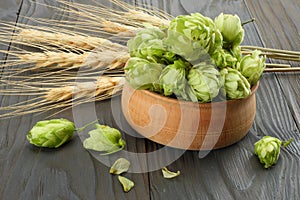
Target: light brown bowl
{"type": "Point", "coordinates": [188, 125]}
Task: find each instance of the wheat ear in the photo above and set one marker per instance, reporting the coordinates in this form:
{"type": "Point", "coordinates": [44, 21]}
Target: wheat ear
{"type": "Point", "coordinates": [104, 85]}
{"type": "Point", "coordinates": [61, 39]}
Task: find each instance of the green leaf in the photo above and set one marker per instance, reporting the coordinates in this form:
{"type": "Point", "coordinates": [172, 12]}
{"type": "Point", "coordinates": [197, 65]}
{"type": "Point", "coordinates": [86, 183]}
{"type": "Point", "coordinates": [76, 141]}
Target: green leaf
{"type": "Point", "coordinates": [126, 183]}
{"type": "Point", "coordinates": [169, 174]}
{"type": "Point", "coordinates": [120, 165]}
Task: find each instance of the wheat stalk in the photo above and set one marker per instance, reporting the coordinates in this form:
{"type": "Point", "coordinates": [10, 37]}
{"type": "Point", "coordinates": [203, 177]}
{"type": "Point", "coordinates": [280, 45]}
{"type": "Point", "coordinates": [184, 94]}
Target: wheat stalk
{"type": "Point", "coordinates": [273, 53]}
{"type": "Point", "coordinates": [61, 97]}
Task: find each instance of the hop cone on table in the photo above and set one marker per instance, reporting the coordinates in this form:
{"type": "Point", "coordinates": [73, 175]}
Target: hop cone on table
{"type": "Point", "coordinates": [235, 84]}
{"type": "Point", "coordinates": [252, 66]}
{"type": "Point", "coordinates": [205, 82]}
{"type": "Point", "coordinates": [193, 37]}
{"type": "Point", "coordinates": [268, 149]}
{"type": "Point", "coordinates": [51, 133]}
{"type": "Point", "coordinates": [231, 29]}
{"type": "Point", "coordinates": [143, 74]}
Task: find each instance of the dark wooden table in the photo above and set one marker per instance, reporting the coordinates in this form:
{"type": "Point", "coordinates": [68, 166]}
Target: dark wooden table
{"type": "Point", "coordinates": [71, 172]}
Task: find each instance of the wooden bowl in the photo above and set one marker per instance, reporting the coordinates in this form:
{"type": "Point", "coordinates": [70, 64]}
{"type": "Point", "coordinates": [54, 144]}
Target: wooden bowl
{"type": "Point", "coordinates": [188, 125]}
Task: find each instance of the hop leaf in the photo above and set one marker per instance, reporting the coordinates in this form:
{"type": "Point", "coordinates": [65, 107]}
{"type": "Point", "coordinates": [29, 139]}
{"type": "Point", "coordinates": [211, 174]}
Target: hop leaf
{"type": "Point", "coordinates": [142, 74]}
{"type": "Point", "coordinates": [268, 149]}
{"type": "Point", "coordinates": [105, 139]}
{"type": "Point", "coordinates": [235, 84]}
{"type": "Point", "coordinates": [231, 29]}
{"type": "Point", "coordinates": [204, 79]}
{"type": "Point", "coordinates": [252, 66]}
{"type": "Point", "coordinates": [193, 37]}
{"type": "Point", "coordinates": [51, 133]}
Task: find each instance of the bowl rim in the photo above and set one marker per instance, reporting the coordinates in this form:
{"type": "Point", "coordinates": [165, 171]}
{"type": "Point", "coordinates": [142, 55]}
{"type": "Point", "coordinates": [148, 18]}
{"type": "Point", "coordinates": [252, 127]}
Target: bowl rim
{"type": "Point", "coordinates": [190, 103]}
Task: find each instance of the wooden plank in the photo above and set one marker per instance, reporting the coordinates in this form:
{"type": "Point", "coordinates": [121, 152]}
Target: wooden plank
{"type": "Point", "coordinates": [8, 13]}
{"type": "Point", "coordinates": [282, 17]}
{"type": "Point", "coordinates": [234, 172]}
{"type": "Point", "coordinates": [70, 172]}
{"type": "Point", "coordinates": [230, 173]}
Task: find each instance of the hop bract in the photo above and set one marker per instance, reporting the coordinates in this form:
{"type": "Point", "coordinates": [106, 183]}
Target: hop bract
{"type": "Point", "coordinates": [193, 37]}
{"type": "Point", "coordinates": [51, 133]}
{"type": "Point", "coordinates": [204, 80]}
{"type": "Point", "coordinates": [142, 74]}
{"type": "Point", "coordinates": [267, 149]}
{"type": "Point", "coordinates": [235, 84]}
{"type": "Point", "coordinates": [104, 138]}
{"type": "Point", "coordinates": [252, 66]}
{"type": "Point", "coordinates": [231, 29]}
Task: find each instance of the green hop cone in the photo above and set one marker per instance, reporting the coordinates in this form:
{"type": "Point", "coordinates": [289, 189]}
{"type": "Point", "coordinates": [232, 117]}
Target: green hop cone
{"type": "Point", "coordinates": [104, 139]}
{"type": "Point", "coordinates": [223, 58]}
{"type": "Point", "coordinates": [148, 44]}
{"type": "Point", "coordinates": [51, 133]}
{"type": "Point", "coordinates": [231, 29]}
{"type": "Point", "coordinates": [236, 86]}
{"type": "Point", "coordinates": [204, 79]}
{"type": "Point", "coordinates": [142, 74]}
{"type": "Point", "coordinates": [252, 66]}
{"type": "Point", "coordinates": [268, 149]}
{"type": "Point", "coordinates": [173, 80]}
{"type": "Point", "coordinates": [193, 37]}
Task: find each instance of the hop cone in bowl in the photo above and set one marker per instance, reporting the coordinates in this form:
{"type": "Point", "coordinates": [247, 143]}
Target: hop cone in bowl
{"type": "Point", "coordinates": [51, 133]}
{"type": "Point", "coordinates": [231, 29]}
{"type": "Point", "coordinates": [148, 44]}
{"type": "Point", "coordinates": [193, 37]}
{"type": "Point", "coordinates": [236, 86]}
{"type": "Point", "coordinates": [143, 74]}
{"type": "Point", "coordinates": [223, 58]}
{"type": "Point", "coordinates": [173, 81]}
{"type": "Point", "coordinates": [252, 66]}
{"type": "Point", "coordinates": [204, 79]}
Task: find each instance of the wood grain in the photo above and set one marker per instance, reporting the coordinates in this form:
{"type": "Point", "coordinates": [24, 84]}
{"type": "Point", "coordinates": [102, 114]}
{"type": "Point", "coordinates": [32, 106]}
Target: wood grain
{"type": "Point", "coordinates": [72, 172]}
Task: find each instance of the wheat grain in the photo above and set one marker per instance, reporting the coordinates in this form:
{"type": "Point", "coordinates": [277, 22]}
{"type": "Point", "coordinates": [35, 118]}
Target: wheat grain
{"type": "Point", "coordinates": [107, 59]}
{"type": "Point", "coordinates": [103, 85]}
{"type": "Point", "coordinates": [60, 39]}
{"type": "Point", "coordinates": [57, 59]}
{"type": "Point", "coordinates": [139, 16]}
{"type": "Point", "coordinates": [118, 28]}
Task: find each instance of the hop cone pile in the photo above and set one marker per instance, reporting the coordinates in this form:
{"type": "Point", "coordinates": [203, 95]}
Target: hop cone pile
{"type": "Point", "coordinates": [195, 59]}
